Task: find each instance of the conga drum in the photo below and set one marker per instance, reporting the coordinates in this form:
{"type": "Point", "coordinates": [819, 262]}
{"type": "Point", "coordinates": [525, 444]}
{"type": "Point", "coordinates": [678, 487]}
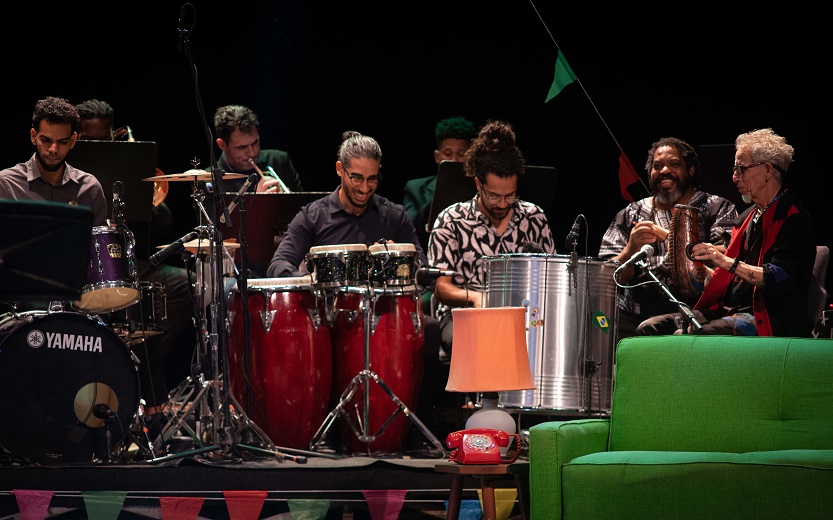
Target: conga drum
{"type": "Point", "coordinates": [289, 368]}
{"type": "Point", "coordinates": [397, 339]}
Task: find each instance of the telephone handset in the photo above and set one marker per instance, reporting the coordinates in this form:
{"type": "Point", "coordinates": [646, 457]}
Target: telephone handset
{"type": "Point", "coordinates": [478, 446]}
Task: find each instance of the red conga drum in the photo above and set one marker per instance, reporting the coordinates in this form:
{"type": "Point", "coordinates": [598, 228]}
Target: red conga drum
{"type": "Point", "coordinates": [397, 340]}
{"type": "Point", "coordinates": [290, 359]}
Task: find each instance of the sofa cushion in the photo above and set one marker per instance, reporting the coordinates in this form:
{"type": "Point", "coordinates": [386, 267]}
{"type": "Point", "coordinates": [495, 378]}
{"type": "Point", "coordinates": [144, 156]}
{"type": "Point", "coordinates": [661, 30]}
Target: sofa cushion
{"type": "Point", "coordinates": [640, 484]}
{"type": "Point", "coordinates": [722, 394]}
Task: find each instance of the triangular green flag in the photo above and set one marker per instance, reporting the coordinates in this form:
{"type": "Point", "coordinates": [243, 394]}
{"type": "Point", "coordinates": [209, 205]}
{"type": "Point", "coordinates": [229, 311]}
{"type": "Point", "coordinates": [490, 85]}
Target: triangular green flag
{"type": "Point", "coordinates": [564, 75]}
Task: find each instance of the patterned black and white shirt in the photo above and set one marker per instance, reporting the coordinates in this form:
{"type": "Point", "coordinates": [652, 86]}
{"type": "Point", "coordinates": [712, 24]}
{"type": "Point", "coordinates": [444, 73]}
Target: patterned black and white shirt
{"type": "Point", "coordinates": [714, 223]}
{"type": "Point", "coordinates": [462, 235]}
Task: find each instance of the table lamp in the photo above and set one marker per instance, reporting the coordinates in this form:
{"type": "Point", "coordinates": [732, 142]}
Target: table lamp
{"type": "Point", "coordinates": [489, 355]}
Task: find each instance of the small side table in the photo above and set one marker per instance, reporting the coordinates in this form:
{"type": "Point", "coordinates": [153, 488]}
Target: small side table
{"type": "Point", "coordinates": [487, 474]}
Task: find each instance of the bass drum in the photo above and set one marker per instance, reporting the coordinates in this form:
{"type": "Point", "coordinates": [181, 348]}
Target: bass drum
{"type": "Point", "coordinates": [571, 327]}
{"type": "Point", "coordinates": [65, 380]}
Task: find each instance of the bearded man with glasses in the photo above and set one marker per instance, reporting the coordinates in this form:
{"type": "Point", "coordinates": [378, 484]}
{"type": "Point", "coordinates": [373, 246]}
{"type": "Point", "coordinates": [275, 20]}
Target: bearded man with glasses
{"type": "Point", "coordinates": [495, 221]}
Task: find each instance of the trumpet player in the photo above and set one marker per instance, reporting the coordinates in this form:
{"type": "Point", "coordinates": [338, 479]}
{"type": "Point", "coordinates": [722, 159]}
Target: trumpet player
{"type": "Point", "coordinates": [237, 136]}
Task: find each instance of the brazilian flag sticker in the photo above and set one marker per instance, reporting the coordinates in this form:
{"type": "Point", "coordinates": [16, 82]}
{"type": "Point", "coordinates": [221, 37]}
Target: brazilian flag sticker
{"type": "Point", "coordinates": [600, 320]}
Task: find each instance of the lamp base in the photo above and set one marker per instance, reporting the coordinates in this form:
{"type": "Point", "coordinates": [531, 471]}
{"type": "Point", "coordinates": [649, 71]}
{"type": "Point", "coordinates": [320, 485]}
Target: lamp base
{"type": "Point", "coordinates": [490, 416]}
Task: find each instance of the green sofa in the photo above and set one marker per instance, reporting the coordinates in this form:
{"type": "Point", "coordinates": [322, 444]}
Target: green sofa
{"type": "Point", "coordinates": [699, 427]}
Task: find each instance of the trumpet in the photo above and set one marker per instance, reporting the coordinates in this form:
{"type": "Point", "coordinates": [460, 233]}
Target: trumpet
{"type": "Point", "coordinates": [282, 188]}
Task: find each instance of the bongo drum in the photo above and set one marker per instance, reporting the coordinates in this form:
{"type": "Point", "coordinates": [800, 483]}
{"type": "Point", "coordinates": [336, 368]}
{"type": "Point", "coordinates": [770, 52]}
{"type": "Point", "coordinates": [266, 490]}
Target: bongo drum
{"type": "Point", "coordinates": [393, 264]}
{"type": "Point", "coordinates": [338, 265]}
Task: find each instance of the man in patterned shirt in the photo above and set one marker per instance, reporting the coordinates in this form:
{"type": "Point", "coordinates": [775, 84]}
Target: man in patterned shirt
{"type": "Point", "coordinates": [494, 222]}
{"type": "Point", "coordinates": [672, 166]}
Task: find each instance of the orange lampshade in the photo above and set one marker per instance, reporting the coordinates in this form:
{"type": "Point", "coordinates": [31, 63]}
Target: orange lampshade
{"type": "Point", "coordinates": [489, 352]}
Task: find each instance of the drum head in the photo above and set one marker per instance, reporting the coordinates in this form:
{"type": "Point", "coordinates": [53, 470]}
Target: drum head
{"type": "Point", "coordinates": [337, 247]}
{"type": "Point", "coordinates": [60, 375]}
{"type": "Point", "coordinates": [391, 248]}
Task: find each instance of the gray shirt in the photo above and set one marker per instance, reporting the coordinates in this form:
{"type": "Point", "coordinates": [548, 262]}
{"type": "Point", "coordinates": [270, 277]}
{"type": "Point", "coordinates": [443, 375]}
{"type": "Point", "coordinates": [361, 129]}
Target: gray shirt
{"type": "Point", "coordinates": [23, 181]}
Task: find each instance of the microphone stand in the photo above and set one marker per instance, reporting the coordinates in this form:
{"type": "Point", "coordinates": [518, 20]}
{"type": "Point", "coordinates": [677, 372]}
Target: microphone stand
{"type": "Point", "coordinates": [686, 315]}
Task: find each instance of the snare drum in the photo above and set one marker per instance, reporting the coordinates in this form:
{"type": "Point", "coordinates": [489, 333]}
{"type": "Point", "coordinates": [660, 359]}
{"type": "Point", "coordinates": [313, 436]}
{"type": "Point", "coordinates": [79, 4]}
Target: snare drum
{"type": "Point", "coordinates": [338, 265]}
{"type": "Point", "coordinates": [55, 371]}
{"type": "Point", "coordinates": [111, 276]}
{"type": "Point", "coordinates": [289, 358]}
{"type": "Point", "coordinates": [393, 264]}
{"type": "Point", "coordinates": [397, 341]}
{"type": "Point", "coordinates": [149, 317]}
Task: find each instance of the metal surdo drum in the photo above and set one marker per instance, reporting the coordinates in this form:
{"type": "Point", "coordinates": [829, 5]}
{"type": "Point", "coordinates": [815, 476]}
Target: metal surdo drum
{"type": "Point", "coordinates": [339, 265]}
{"type": "Point", "coordinates": [393, 264]}
{"type": "Point", "coordinates": [571, 316]}
{"type": "Point", "coordinates": [289, 360]}
{"type": "Point", "coordinates": [65, 381]}
{"type": "Point", "coordinates": [111, 276]}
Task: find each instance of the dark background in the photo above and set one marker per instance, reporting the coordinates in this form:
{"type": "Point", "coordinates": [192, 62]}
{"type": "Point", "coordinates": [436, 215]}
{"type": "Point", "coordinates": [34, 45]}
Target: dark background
{"type": "Point", "coordinates": [392, 69]}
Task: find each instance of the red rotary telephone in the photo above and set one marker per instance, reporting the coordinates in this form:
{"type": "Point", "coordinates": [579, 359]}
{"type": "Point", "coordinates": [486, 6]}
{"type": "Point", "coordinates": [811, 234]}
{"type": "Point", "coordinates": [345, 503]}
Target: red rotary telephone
{"type": "Point", "coordinates": [478, 446]}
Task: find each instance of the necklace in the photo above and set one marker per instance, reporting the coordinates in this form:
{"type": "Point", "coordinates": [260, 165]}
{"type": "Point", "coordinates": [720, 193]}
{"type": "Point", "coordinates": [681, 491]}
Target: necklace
{"type": "Point", "coordinates": [760, 211]}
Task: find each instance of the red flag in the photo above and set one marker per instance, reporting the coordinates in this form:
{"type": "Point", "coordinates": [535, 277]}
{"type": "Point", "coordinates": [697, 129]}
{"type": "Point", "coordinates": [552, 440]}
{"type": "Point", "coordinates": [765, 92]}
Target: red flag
{"type": "Point", "coordinates": [627, 176]}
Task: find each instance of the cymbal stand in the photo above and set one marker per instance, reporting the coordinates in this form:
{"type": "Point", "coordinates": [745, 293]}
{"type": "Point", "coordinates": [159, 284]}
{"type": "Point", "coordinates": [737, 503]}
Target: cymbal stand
{"type": "Point", "coordinates": [363, 380]}
{"type": "Point", "coordinates": [218, 416]}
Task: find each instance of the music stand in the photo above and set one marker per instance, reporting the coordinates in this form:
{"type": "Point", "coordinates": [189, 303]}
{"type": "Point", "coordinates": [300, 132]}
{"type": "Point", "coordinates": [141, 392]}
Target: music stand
{"type": "Point", "coordinates": [267, 217]}
{"type": "Point", "coordinates": [452, 186]}
{"type": "Point", "coordinates": [537, 185]}
{"type": "Point", "coordinates": [44, 250]}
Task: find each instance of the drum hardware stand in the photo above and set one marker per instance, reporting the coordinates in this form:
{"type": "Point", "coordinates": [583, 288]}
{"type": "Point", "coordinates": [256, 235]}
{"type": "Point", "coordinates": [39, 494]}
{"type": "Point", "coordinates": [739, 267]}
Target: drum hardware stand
{"type": "Point", "coordinates": [688, 322]}
{"type": "Point", "coordinates": [226, 410]}
{"type": "Point", "coordinates": [363, 379]}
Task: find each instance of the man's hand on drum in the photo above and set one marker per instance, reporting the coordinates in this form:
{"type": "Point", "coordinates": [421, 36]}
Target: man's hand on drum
{"type": "Point", "coordinates": [645, 232]}
{"type": "Point", "coordinates": [711, 255]}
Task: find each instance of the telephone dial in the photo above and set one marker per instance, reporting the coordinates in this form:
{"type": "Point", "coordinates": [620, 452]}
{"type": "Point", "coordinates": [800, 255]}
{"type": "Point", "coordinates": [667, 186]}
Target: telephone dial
{"type": "Point", "coordinates": [479, 446]}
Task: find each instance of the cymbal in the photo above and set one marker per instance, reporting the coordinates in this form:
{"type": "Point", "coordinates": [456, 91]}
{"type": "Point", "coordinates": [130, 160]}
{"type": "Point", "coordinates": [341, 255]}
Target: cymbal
{"type": "Point", "coordinates": [201, 245]}
{"type": "Point", "coordinates": [194, 175]}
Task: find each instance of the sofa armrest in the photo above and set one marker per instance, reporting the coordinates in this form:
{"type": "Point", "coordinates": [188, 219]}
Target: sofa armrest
{"type": "Point", "coordinates": [553, 444]}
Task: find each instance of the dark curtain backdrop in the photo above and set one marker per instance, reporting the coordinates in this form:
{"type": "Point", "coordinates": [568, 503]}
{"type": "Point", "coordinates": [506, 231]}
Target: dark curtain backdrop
{"type": "Point", "coordinates": [313, 70]}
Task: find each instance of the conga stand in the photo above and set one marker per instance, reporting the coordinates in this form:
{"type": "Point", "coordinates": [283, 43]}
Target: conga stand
{"type": "Point", "coordinates": [363, 380]}
{"type": "Point", "coordinates": [214, 403]}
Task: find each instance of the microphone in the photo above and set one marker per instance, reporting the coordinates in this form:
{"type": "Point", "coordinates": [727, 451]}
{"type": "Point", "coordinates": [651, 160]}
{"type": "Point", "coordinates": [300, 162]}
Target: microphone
{"type": "Point", "coordinates": [573, 232]}
{"type": "Point", "coordinates": [102, 411]}
{"type": "Point", "coordinates": [180, 32]}
{"type": "Point", "coordinates": [647, 251]}
{"type": "Point", "coordinates": [433, 272]}
{"type": "Point", "coordinates": [243, 189]}
{"type": "Point", "coordinates": [157, 258]}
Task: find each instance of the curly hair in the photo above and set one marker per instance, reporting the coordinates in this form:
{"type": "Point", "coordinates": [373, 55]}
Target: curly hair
{"type": "Point", "coordinates": [764, 145]}
{"type": "Point", "coordinates": [94, 109]}
{"type": "Point", "coordinates": [57, 111]}
{"type": "Point", "coordinates": [457, 127]}
{"type": "Point", "coordinates": [687, 152]}
{"type": "Point", "coordinates": [229, 118]}
{"type": "Point", "coordinates": [494, 150]}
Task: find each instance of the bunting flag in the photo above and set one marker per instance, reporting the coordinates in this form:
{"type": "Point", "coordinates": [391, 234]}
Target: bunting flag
{"type": "Point", "coordinates": [384, 504]}
{"type": "Point", "coordinates": [564, 75]}
{"type": "Point", "coordinates": [627, 176]}
{"type": "Point", "coordinates": [244, 505]}
{"type": "Point", "coordinates": [504, 501]}
{"type": "Point", "coordinates": [104, 505]}
{"type": "Point", "coordinates": [181, 508]}
{"type": "Point", "coordinates": [33, 503]}
{"type": "Point", "coordinates": [308, 509]}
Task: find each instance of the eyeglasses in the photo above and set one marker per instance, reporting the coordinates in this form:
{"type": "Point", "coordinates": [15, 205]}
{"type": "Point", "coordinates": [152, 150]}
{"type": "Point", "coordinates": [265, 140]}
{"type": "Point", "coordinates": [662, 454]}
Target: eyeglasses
{"type": "Point", "coordinates": [741, 169]}
{"type": "Point", "coordinates": [494, 199]}
{"type": "Point", "coordinates": [357, 179]}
